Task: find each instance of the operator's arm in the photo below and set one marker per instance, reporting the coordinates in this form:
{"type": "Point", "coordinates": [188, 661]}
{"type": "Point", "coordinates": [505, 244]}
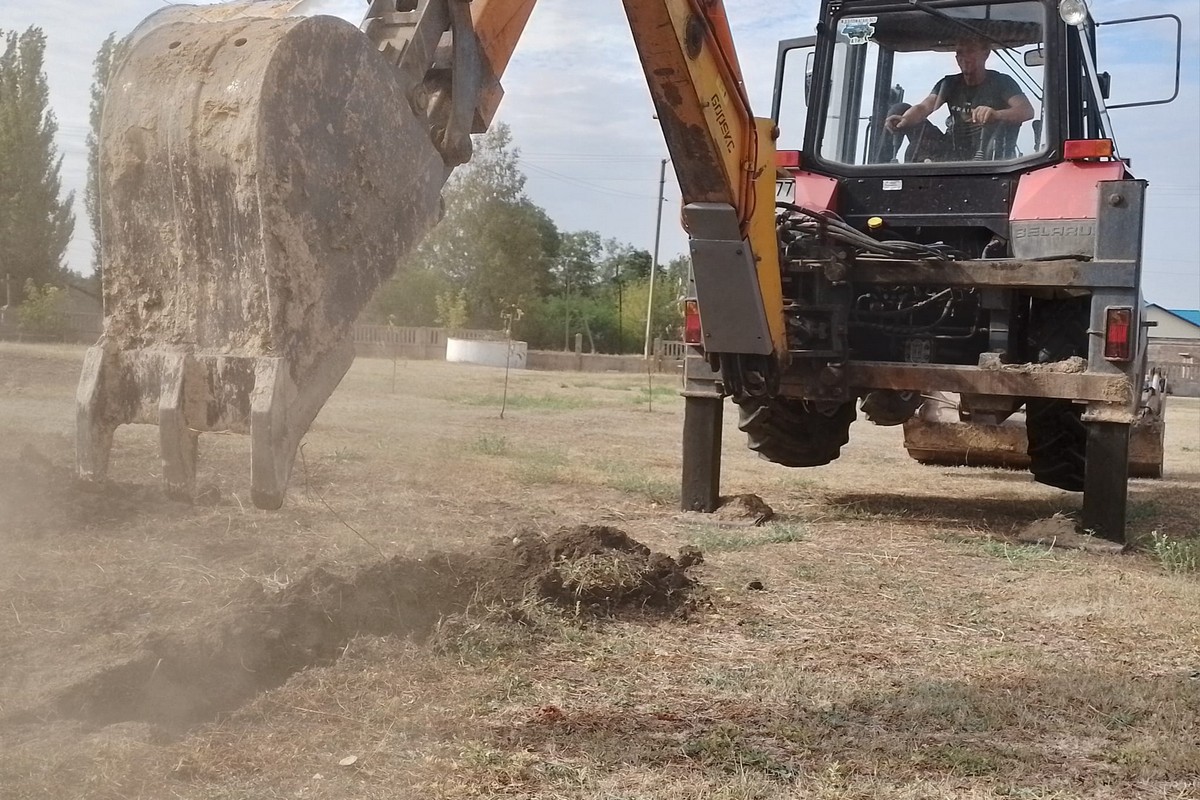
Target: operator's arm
{"type": "Point", "coordinates": [915, 115]}
{"type": "Point", "coordinates": [1019, 110]}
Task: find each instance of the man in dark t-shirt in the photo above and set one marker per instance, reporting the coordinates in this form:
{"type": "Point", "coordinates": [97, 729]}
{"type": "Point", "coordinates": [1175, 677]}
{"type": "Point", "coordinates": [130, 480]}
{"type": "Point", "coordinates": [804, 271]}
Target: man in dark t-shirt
{"type": "Point", "coordinates": [986, 107]}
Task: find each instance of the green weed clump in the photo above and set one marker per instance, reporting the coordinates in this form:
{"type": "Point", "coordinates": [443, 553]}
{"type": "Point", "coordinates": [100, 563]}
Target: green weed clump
{"type": "Point", "coordinates": [487, 444]}
{"type": "Point", "coordinates": [1176, 555]}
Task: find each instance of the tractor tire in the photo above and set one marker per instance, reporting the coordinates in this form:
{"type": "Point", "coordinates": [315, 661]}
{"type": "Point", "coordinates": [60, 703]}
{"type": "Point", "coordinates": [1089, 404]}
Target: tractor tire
{"type": "Point", "coordinates": [1057, 442]}
{"type": "Point", "coordinates": [786, 431]}
{"type": "Point", "coordinates": [1060, 329]}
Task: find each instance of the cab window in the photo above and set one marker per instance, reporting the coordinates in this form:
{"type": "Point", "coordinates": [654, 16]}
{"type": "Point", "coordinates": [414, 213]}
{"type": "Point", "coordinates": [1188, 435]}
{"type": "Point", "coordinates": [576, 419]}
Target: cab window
{"type": "Point", "coordinates": [966, 65]}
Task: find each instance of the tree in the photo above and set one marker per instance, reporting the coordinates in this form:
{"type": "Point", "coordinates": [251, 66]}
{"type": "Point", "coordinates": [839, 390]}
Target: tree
{"type": "Point", "coordinates": [493, 242]}
{"type": "Point", "coordinates": [107, 57]}
{"type": "Point", "coordinates": [35, 225]}
{"type": "Point", "coordinates": [625, 262]}
{"type": "Point", "coordinates": [675, 274]}
{"type": "Point", "coordinates": [577, 268]}
{"type": "Point", "coordinates": [409, 298]}
{"type": "Point", "coordinates": [452, 309]}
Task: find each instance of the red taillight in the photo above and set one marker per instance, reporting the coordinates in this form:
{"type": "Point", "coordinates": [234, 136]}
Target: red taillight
{"type": "Point", "coordinates": [787, 159]}
{"type": "Point", "coordinates": [691, 322]}
{"type": "Point", "coordinates": [1078, 149]}
{"type": "Point", "coordinates": [1118, 324]}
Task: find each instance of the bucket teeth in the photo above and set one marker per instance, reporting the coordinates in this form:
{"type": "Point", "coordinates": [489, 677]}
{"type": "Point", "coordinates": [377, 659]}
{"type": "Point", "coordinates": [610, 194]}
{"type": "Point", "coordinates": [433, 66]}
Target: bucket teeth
{"type": "Point", "coordinates": [259, 179]}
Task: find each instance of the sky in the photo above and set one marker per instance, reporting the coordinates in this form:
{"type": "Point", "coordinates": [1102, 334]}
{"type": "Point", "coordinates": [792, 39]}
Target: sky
{"type": "Point", "coordinates": [582, 118]}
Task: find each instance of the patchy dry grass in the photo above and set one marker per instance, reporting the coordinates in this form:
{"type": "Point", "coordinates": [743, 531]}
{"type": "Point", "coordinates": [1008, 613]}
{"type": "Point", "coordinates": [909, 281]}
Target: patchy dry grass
{"type": "Point", "coordinates": [724, 539]}
{"type": "Point", "coordinates": [902, 645]}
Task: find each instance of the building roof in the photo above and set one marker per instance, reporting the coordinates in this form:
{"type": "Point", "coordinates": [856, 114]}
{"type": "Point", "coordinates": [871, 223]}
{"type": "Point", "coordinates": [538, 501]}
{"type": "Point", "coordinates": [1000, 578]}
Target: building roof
{"type": "Point", "coordinates": [1181, 323]}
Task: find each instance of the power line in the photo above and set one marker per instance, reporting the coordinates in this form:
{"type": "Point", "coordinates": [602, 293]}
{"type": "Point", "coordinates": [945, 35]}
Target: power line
{"type": "Point", "coordinates": [581, 156]}
{"type": "Point", "coordinates": [549, 173]}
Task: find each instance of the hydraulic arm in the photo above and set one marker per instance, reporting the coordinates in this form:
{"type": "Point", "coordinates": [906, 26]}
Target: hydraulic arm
{"type": "Point", "coordinates": [262, 174]}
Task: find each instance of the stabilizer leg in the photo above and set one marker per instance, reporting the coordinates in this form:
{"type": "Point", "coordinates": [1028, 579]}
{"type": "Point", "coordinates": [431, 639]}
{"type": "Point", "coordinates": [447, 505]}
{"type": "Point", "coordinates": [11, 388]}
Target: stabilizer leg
{"type": "Point", "coordinates": [1106, 480]}
{"type": "Point", "coordinates": [701, 484]}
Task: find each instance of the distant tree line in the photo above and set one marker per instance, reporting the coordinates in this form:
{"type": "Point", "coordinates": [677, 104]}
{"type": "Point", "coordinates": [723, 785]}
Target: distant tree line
{"type": "Point", "coordinates": [496, 251]}
{"type": "Point", "coordinates": [36, 221]}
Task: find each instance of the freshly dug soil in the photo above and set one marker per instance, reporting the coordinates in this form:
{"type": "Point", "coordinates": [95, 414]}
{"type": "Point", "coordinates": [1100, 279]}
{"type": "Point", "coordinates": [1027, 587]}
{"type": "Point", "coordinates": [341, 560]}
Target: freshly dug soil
{"type": "Point", "coordinates": [743, 508]}
{"type": "Point", "coordinates": [261, 639]}
{"type": "Point", "coordinates": [1061, 531]}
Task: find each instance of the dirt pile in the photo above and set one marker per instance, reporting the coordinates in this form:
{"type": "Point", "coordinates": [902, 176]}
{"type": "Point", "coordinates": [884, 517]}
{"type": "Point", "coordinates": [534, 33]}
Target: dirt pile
{"type": "Point", "coordinates": [743, 509]}
{"type": "Point", "coordinates": [262, 638]}
{"type": "Point", "coordinates": [602, 569]}
{"type": "Point", "coordinates": [1063, 532]}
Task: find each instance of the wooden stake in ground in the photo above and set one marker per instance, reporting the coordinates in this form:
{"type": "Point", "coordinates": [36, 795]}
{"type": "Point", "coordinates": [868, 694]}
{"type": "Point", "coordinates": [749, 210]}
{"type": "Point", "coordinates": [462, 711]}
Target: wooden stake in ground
{"type": "Point", "coordinates": [513, 313]}
{"type": "Point", "coordinates": [392, 336]}
{"type": "Point", "coordinates": [649, 385]}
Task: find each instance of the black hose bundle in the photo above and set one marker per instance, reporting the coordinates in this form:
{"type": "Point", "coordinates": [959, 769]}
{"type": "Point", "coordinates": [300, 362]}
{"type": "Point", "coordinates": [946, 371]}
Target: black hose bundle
{"type": "Point", "coordinates": [826, 225]}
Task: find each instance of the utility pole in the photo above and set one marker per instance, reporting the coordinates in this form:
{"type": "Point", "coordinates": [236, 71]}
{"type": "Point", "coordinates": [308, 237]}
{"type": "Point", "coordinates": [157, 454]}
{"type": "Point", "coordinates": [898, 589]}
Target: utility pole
{"type": "Point", "coordinates": [567, 321]}
{"type": "Point", "coordinates": [620, 313]}
{"type": "Point", "coordinates": [662, 180]}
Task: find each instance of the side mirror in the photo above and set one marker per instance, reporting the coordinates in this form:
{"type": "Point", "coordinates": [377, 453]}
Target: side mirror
{"type": "Point", "coordinates": [795, 68]}
{"type": "Point", "coordinates": [1147, 35]}
{"type": "Point", "coordinates": [1035, 57]}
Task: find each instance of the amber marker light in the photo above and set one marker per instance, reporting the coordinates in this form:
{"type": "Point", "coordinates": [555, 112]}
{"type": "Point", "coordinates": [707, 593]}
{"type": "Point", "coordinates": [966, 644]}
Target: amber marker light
{"type": "Point", "coordinates": [787, 159]}
{"type": "Point", "coordinates": [1079, 149]}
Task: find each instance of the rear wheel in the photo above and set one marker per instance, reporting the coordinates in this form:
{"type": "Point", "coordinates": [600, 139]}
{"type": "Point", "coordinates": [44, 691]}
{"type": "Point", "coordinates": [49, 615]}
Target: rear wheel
{"type": "Point", "coordinates": [1057, 436]}
{"type": "Point", "coordinates": [1057, 442]}
{"type": "Point", "coordinates": [792, 432]}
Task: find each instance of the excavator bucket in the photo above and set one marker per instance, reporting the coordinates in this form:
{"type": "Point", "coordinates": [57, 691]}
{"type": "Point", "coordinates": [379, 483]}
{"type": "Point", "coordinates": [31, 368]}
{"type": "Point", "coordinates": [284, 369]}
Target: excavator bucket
{"type": "Point", "coordinates": [260, 176]}
{"type": "Point", "coordinates": [936, 435]}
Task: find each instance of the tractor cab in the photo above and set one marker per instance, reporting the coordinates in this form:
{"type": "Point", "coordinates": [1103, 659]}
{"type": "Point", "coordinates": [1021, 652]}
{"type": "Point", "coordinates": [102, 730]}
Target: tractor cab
{"type": "Point", "coordinates": [1006, 87]}
{"type": "Point", "coordinates": [881, 64]}
{"type": "Point", "coordinates": [835, 92]}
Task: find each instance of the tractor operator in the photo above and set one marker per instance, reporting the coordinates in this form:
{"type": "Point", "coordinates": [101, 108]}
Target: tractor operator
{"type": "Point", "coordinates": [977, 97]}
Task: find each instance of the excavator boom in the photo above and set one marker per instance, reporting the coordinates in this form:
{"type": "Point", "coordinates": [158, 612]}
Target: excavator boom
{"type": "Point", "coordinates": [262, 174]}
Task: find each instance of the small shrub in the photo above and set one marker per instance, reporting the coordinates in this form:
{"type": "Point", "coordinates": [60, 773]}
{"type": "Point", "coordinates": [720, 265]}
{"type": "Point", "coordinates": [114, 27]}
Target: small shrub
{"type": "Point", "coordinates": [44, 311]}
{"type": "Point", "coordinates": [1176, 555]}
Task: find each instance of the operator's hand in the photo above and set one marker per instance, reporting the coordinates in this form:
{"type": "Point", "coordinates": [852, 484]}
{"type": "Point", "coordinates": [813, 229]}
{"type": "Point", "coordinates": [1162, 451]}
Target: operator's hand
{"type": "Point", "coordinates": [982, 115]}
{"type": "Point", "coordinates": [892, 123]}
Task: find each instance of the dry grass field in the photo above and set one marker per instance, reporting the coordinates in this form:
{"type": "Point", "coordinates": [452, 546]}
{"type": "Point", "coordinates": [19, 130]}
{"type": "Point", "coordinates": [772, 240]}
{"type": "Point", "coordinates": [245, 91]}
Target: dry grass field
{"type": "Point", "coordinates": [903, 643]}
